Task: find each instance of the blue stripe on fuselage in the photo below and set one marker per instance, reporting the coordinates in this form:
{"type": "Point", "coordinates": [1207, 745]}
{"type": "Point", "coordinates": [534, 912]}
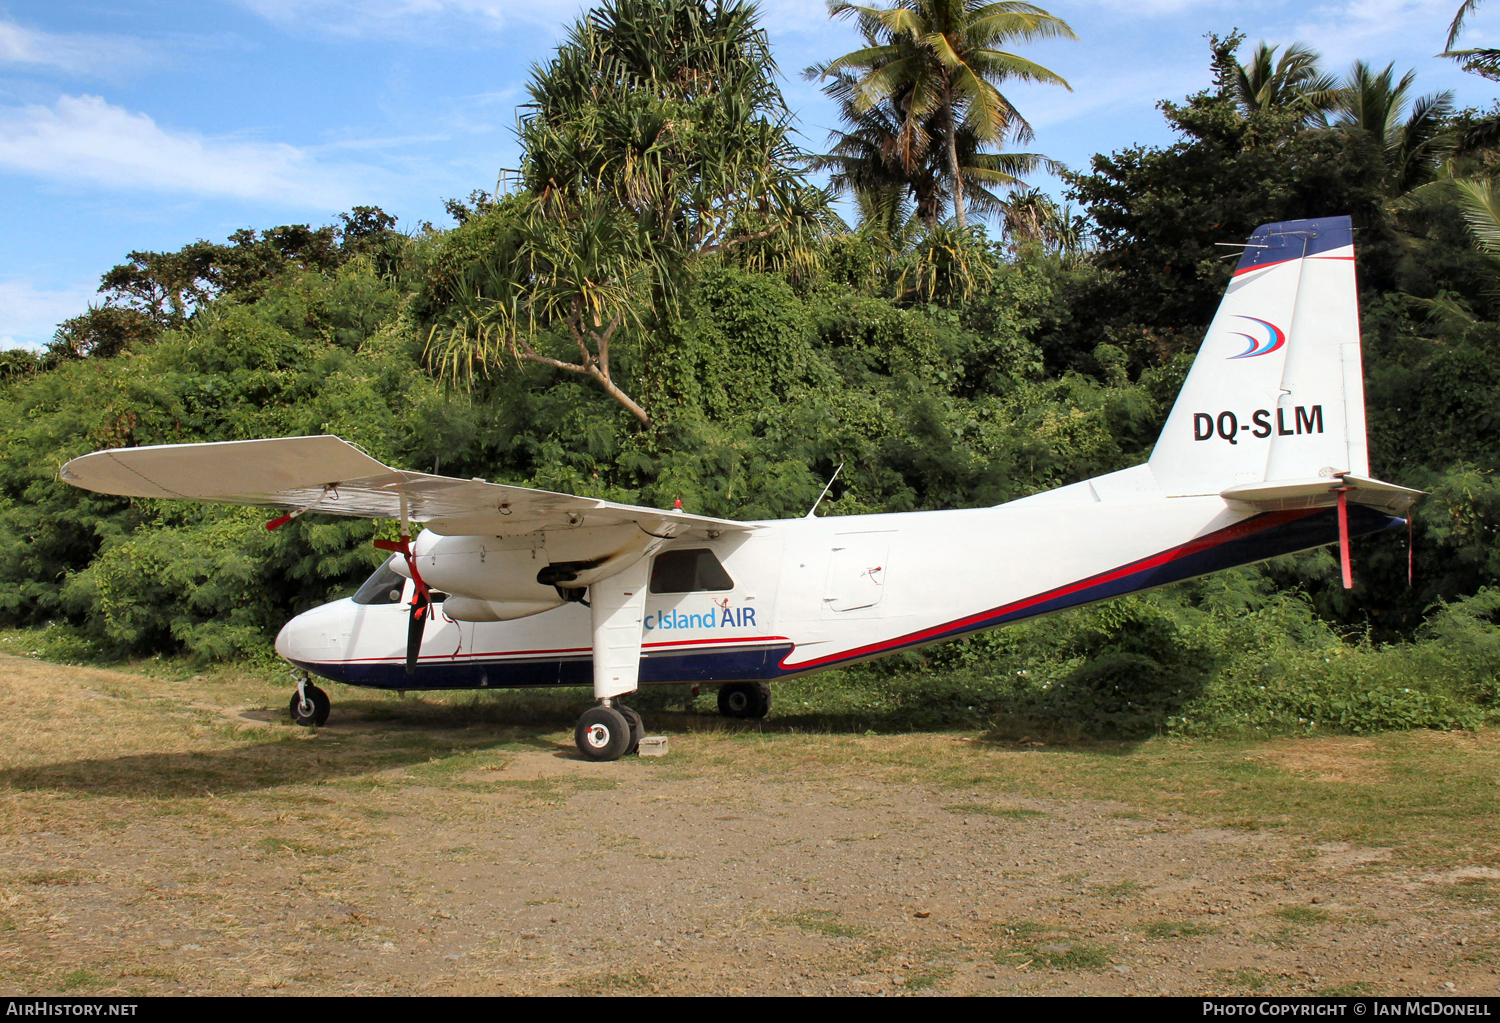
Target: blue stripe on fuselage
{"type": "Point", "coordinates": [750, 663]}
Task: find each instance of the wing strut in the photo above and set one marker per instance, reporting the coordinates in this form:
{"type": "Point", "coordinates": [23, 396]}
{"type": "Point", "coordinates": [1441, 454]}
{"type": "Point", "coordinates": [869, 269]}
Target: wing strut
{"type": "Point", "coordinates": [618, 606]}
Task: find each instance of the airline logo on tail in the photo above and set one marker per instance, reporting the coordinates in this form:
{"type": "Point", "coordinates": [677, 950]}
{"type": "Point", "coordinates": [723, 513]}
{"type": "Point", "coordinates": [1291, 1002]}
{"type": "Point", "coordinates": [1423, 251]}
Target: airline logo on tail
{"type": "Point", "coordinates": [1274, 339]}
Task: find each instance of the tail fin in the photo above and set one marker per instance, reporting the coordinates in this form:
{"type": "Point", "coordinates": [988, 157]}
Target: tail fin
{"type": "Point", "coordinates": [1277, 389]}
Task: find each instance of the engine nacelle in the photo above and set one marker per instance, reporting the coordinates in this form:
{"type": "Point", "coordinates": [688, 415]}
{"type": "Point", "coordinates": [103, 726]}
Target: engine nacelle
{"type": "Point", "coordinates": [467, 609]}
{"type": "Point", "coordinates": [526, 571]}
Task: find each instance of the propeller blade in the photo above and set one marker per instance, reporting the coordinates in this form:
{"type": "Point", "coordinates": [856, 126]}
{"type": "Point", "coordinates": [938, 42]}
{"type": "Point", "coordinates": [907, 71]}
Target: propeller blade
{"type": "Point", "coordinates": [420, 611]}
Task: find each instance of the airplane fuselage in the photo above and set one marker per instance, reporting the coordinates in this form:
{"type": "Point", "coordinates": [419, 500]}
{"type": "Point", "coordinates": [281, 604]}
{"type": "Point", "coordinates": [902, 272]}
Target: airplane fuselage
{"type": "Point", "coordinates": [809, 594]}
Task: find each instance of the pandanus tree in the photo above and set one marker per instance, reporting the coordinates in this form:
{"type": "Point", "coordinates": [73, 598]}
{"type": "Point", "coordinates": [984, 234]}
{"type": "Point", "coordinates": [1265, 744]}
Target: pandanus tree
{"type": "Point", "coordinates": [938, 65]}
{"type": "Point", "coordinates": [656, 136]}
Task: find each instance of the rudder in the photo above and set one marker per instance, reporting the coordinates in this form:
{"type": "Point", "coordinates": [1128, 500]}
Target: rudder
{"type": "Point", "coordinates": [1276, 391]}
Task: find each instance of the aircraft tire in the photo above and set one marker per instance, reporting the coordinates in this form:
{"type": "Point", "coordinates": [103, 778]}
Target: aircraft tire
{"type": "Point", "coordinates": [745, 700]}
{"type": "Point", "coordinates": [316, 713]}
{"type": "Point", "coordinates": [637, 727]}
{"type": "Point", "coordinates": [602, 733]}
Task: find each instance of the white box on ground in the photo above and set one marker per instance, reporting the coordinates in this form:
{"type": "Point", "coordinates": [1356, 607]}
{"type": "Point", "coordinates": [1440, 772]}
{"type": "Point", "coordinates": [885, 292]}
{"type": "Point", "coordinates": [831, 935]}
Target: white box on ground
{"type": "Point", "coordinates": [653, 746]}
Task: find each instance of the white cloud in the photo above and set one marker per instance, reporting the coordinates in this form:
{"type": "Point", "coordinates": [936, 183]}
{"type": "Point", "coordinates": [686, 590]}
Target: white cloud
{"type": "Point", "coordinates": [406, 19]}
{"type": "Point", "coordinates": [71, 52]}
{"type": "Point", "coordinates": [1149, 8]}
{"type": "Point", "coordinates": [415, 18]}
{"type": "Point", "coordinates": [84, 138]}
{"type": "Point", "coordinates": [29, 314]}
{"type": "Point", "coordinates": [1405, 30]}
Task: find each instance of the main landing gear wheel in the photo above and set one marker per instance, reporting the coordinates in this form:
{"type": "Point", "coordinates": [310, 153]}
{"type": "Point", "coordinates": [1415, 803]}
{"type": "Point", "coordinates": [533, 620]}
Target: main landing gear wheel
{"type": "Point", "coordinates": [310, 705]}
{"type": "Point", "coordinates": [744, 699]}
{"type": "Point", "coordinates": [637, 728]}
{"type": "Point", "coordinates": [602, 733]}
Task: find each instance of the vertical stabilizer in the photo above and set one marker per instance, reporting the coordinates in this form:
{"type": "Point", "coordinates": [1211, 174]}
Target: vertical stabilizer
{"type": "Point", "coordinates": [1276, 391]}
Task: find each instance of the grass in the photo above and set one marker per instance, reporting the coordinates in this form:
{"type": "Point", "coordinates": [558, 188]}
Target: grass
{"type": "Point", "coordinates": [1473, 891]}
{"type": "Point", "coordinates": [287, 845]}
{"type": "Point", "coordinates": [1435, 800]}
{"type": "Point", "coordinates": [1485, 951]}
{"type": "Point", "coordinates": [633, 981]}
{"type": "Point", "coordinates": [1059, 955]}
{"type": "Point", "coordinates": [823, 921]}
{"type": "Point", "coordinates": [1032, 945]}
{"type": "Point", "coordinates": [81, 980]}
{"type": "Point", "coordinates": [1025, 928]}
{"type": "Point", "coordinates": [54, 877]}
{"type": "Point", "coordinates": [1163, 929]}
{"type": "Point", "coordinates": [1244, 978]}
{"type": "Point", "coordinates": [1014, 813]}
{"type": "Point", "coordinates": [928, 979]}
{"type": "Point", "coordinates": [75, 764]}
{"type": "Point", "coordinates": [1126, 889]}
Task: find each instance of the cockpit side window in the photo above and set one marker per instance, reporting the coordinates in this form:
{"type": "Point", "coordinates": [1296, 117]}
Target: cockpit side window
{"type": "Point", "coordinates": [384, 587]}
{"type": "Point", "coordinates": [689, 571]}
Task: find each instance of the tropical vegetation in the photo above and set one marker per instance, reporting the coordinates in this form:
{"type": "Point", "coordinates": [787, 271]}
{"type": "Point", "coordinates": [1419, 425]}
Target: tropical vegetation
{"type": "Point", "coordinates": [676, 302]}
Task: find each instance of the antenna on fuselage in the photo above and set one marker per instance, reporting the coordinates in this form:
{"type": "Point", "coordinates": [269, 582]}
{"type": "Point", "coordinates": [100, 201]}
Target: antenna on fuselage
{"type": "Point", "coordinates": [825, 490]}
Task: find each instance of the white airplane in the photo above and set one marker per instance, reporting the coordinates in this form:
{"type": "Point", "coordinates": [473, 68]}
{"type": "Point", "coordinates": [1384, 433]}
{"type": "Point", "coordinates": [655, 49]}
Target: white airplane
{"type": "Point", "coordinates": [1263, 454]}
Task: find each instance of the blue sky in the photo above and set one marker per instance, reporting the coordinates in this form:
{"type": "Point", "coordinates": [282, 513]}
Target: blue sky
{"type": "Point", "coordinates": [148, 124]}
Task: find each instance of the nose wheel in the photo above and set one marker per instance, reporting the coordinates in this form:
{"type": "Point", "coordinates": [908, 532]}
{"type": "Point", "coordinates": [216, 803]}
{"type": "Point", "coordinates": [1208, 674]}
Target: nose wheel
{"type": "Point", "coordinates": [608, 733]}
{"type": "Point", "coordinates": [310, 705]}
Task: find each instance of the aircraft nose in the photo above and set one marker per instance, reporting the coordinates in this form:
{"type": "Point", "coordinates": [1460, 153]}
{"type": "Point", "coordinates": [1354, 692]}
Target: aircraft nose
{"type": "Point", "coordinates": [284, 640]}
{"type": "Point", "coordinates": [316, 635]}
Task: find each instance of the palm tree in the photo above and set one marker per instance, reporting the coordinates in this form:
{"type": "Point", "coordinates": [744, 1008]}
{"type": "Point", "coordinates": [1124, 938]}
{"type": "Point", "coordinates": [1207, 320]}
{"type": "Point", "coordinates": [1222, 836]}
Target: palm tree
{"type": "Point", "coordinates": [939, 64]}
{"type": "Point", "coordinates": [1464, 10]}
{"type": "Point", "coordinates": [871, 160]}
{"type": "Point", "coordinates": [1411, 134]}
{"type": "Point", "coordinates": [1267, 83]}
{"type": "Point", "coordinates": [1480, 204]}
{"type": "Point", "coordinates": [1033, 218]}
{"type": "Point", "coordinates": [1482, 61]}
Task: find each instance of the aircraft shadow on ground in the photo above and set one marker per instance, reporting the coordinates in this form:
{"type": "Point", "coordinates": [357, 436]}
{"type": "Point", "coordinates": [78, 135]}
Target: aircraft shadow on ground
{"type": "Point", "coordinates": [369, 736]}
{"type": "Point", "coordinates": [359, 747]}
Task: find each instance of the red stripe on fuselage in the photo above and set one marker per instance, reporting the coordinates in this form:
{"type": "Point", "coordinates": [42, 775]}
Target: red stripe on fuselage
{"type": "Point", "coordinates": [563, 652]}
{"type": "Point", "coordinates": [1250, 526]}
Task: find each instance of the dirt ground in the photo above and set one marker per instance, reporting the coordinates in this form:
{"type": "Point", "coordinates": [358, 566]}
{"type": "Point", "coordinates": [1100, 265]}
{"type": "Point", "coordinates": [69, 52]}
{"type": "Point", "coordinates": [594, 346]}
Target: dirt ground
{"type": "Point", "coordinates": [176, 836]}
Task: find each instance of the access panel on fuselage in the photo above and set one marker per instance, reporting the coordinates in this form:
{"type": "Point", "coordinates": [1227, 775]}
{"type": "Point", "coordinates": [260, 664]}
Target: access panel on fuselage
{"type": "Point", "coordinates": [856, 572]}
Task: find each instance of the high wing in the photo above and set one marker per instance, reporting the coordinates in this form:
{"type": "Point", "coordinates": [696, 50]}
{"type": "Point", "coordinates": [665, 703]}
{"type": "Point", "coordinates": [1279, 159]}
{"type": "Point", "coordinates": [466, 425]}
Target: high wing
{"type": "Point", "coordinates": [330, 476]}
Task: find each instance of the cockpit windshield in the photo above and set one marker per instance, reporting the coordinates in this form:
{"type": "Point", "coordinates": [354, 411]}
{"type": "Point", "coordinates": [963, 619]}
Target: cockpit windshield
{"type": "Point", "coordinates": [384, 587]}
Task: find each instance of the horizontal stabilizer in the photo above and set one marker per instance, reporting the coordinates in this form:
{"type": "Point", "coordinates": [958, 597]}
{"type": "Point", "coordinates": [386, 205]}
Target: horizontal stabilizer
{"type": "Point", "coordinates": [330, 476]}
{"type": "Point", "coordinates": [1323, 492]}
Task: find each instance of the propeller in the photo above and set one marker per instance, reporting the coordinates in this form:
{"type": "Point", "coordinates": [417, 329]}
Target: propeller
{"type": "Point", "coordinates": [421, 610]}
{"type": "Point", "coordinates": [421, 600]}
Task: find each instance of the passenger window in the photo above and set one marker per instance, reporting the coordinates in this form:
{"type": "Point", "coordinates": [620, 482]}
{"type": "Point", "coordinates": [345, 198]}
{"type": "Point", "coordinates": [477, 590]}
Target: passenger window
{"type": "Point", "coordinates": [688, 572]}
{"type": "Point", "coordinates": [384, 587]}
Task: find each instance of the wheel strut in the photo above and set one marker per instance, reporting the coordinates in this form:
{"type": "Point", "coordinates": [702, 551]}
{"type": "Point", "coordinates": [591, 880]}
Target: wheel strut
{"type": "Point", "coordinates": [304, 705]}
